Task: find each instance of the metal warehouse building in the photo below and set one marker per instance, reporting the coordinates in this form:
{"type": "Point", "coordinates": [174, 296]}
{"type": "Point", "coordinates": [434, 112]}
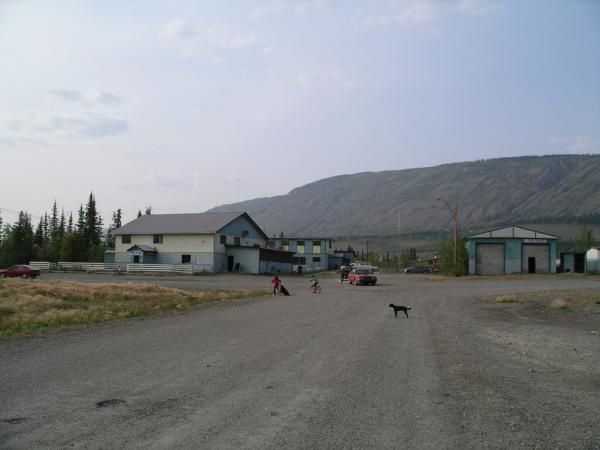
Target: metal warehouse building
{"type": "Point", "coordinates": [511, 250]}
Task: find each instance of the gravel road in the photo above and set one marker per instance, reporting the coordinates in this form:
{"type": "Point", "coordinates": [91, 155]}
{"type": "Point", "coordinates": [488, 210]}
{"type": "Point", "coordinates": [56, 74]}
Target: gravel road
{"type": "Point", "coordinates": [329, 370]}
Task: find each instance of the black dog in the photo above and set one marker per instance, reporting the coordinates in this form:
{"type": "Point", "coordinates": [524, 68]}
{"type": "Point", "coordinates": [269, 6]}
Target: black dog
{"type": "Point", "coordinates": [400, 308]}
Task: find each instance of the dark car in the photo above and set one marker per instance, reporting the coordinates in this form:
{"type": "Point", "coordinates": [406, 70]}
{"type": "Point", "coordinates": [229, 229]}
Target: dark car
{"type": "Point", "coordinates": [360, 276]}
{"type": "Point", "coordinates": [20, 270]}
{"type": "Point", "coordinates": [418, 269]}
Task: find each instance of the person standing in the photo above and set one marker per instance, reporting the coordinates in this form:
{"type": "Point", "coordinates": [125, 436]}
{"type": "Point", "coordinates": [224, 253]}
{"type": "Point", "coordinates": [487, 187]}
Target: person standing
{"type": "Point", "coordinates": [276, 282]}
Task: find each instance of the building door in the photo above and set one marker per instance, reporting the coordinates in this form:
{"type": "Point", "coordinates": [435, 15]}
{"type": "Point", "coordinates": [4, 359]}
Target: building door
{"type": "Point", "coordinates": [136, 259]}
{"type": "Point", "coordinates": [230, 263]}
{"type": "Point", "coordinates": [531, 264]}
{"type": "Point", "coordinates": [489, 259]}
{"type": "Point", "coordinates": [541, 254]}
{"type": "Point", "coordinates": [579, 263]}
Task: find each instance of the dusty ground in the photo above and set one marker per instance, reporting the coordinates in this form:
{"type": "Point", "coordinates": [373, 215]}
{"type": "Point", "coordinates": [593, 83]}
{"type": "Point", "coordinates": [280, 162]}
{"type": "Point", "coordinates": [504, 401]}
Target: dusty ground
{"type": "Point", "coordinates": [335, 370]}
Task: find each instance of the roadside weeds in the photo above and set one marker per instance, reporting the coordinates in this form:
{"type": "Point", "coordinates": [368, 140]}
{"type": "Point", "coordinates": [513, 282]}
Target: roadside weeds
{"type": "Point", "coordinates": [27, 306]}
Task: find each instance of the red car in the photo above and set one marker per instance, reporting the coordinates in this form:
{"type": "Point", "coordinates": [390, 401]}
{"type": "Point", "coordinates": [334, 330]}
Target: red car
{"type": "Point", "coordinates": [20, 270]}
{"type": "Point", "coordinates": [362, 276]}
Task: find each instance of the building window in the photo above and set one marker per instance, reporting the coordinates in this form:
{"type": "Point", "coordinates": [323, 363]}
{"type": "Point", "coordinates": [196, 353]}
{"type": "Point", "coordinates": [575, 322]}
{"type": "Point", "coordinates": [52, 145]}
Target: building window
{"type": "Point", "coordinates": [157, 239]}
{"type": "Point", "coordinates": [316, 246]}
{"type": "Point", "coordinates": [223, 239]}
{"type": "Point", "coordinates": [236, 241]}
{"type": "Point", "coordinates": [300, 247]}
{"type": "Point", "coordinates": [186, 259]}
{"type": "Point", "coordinates": [299, 260]}
{"type": "Point", "coordinates": [285, 244]}
{"type": "Point", "coordinates": [317, 259]}
{"type": "Point", "coordinates": [126, 239]}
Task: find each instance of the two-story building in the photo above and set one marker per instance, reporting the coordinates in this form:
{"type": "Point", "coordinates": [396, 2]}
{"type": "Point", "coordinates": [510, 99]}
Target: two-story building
{"type": "Point", "coordinates": [216, 241]}
{"type": "Point", "coordinates": [311, 253]}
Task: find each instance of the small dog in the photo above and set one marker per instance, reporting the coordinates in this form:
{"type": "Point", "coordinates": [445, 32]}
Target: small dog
{"type": "Point", "coordinates": [404, 309]}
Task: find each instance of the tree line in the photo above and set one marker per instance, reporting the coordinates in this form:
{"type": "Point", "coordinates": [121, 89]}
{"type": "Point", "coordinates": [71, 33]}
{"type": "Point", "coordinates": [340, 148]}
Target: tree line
{"type": "Point", "coordinates": [58, 237]}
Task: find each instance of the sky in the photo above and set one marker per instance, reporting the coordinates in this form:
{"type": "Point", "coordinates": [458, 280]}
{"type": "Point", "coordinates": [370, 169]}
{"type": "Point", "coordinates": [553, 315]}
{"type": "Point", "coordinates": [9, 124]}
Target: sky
{"type": "Point", "coordinates": [191, 104]}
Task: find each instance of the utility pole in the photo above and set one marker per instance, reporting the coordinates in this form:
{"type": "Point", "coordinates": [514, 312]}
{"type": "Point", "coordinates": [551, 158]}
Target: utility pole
{"type": "Point", "coordinates": [455, 217]}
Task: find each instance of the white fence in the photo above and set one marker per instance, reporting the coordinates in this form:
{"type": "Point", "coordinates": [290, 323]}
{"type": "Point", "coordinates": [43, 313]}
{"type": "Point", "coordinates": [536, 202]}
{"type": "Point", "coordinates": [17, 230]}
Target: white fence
{"type": "Point", "coordinates": [43, 265]}
{"type": "Point", "coordinates": [130, 268]}
{"type": "Point", "coordinates": [174, 268]}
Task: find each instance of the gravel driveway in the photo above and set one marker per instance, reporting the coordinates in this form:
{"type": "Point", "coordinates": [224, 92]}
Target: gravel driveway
{"type": "Point", "coordinates": [329, 370]}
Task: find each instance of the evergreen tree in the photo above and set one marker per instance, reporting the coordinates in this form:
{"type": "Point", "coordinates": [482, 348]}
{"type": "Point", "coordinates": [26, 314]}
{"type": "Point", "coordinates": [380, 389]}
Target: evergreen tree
{"type": "Point", "coordinates": [54, 221]}
{"type": "Point", "coordinates": [1, 230]}
{"type": "Point", "coordinates": [70, 224]}
{"type": "Point", "coordinates": [38, 239]}
{"type": "Point", "coordinates": [61, 224]}
{"type": "Point", "coordinates": [139, 213]}
{"type": "Point", "coordinates": [116, 217]}
{"type": "Point", "coordinates": [17, 247]}
{"type": "Point", "coordinates": [80, 227]}
{"type": "Point", "coordinates": [46, 230]}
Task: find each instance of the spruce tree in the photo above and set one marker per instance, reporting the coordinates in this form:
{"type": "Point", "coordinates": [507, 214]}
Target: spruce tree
{"type": "Point", "coordinates": [54, 221]}
{"type": "Point", "coordinates": [20, 241]}
{"type": "Point", "coordinates": [139, 213]}
{"type": "Point", "coordinates": [70, 224]}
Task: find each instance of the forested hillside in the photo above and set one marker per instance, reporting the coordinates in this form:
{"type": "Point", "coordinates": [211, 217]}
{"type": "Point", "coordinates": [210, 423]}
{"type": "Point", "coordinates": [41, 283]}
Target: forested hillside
{"type": "Point", "coordinates": [545, 189]}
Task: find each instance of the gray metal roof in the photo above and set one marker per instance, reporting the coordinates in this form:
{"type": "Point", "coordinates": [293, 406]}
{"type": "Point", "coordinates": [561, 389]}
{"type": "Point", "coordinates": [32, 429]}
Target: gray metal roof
{"type": "Point", "coordinates": [198, 223]}
{"type": "Point", "coordinates": [512, 232]}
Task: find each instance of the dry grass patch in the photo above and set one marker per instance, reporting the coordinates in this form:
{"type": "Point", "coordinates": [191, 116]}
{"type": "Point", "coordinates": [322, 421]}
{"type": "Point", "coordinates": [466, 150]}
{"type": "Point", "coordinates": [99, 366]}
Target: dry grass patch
{"type": "Point", "coordinates": [558, 303]}
{"type": "Point", "coordinates": [559, 300]}
{"type": "Point", "coordinates": [507, 299]}
{"type": "Point", "coordinates": [27, 306]}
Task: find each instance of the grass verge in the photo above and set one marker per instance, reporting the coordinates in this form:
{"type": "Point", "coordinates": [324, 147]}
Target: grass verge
{"type": "Point", "coordinates": [27, 306]}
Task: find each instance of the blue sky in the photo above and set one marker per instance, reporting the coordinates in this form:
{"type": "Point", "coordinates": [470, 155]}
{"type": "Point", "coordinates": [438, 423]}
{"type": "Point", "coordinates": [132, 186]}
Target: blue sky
{"type": "Point", "coordinates": [186, 105]}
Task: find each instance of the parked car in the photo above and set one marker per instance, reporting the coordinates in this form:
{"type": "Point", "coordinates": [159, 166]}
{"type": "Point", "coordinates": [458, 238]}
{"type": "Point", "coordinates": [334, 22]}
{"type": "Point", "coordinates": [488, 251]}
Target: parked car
{"type": "Point", "coordinates": [362, 275]}
{"type": "Point", "coordinates": [418, 269]}
{"type": "Point", "coordinates": [20, 270]}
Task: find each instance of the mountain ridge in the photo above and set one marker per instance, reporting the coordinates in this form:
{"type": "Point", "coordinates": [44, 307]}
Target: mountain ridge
{"type": "Point", "coordinates": [490, 193]}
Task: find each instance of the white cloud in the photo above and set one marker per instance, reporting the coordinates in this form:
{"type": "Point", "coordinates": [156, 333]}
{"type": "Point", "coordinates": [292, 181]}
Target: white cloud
{"type": "Point", "coordinates": [97, 96]}
{"type": "Point", "coordinates": [190, 39]}
{"type": "Point", "coordinates": [576, 144]}
{"type": "Point", "coordinates": [67, 94]}
{"type": "Point", "coordinates": [305, 78]}
{"type": "Point", "coordinates": [273, 9]}
{"type": "Point", "coordinates": [426, 13]}
{"type": "Point", "coordinates": [407, 13]}
{"type": "Point", "coordinates": [85, 125]}
{"type": "Point", "coordinates": [181, 180]}
{"type": "Point", "coordinates": [334, 77]}
{"type": "Point", "coordinates": [306, 6]}
{"type": "Point", "coordinates": [106, 98]}
{"type": "Point", "coordinates": [477, 7]}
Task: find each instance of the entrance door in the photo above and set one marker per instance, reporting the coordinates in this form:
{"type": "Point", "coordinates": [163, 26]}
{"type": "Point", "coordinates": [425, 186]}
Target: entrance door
{"type": "Point", "coordinates": [579, 263]}
{"type": "Point", "coordinates": [531, 264]}
{"type": "Point", "coordinates": [136, 259]}
{"type": "Point", "coordinates": [230, 263]}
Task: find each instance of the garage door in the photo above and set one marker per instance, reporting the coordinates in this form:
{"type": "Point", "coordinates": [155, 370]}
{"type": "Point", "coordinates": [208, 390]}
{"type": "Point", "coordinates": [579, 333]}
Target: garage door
{"type": "Point", "coordinates": [490, 259]}
{"type": "Point", "coordinates": [536, 258]}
